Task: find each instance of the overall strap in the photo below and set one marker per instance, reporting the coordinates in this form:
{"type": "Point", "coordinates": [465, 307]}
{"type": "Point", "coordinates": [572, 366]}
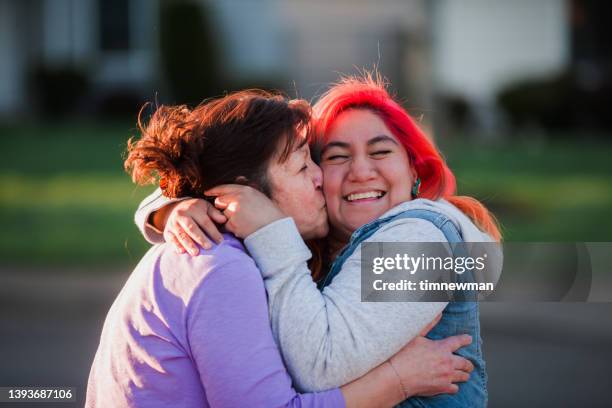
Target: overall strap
{"type": "Point", "coordinates": [442, 222]}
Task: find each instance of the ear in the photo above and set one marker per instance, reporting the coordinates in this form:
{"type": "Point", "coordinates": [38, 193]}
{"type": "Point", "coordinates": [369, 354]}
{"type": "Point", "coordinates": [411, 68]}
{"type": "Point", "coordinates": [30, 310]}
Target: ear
{"type": "Point", "coordinates": [413, 173]}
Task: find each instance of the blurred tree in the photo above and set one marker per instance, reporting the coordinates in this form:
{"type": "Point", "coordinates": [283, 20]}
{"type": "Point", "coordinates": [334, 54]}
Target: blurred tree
{"type": "Point", "coordinates": [190, 57]}
{"type": "Point", "coordinates": [557, 103]}
{"type": "Point", "coordinates": [58, 91]}
{"type": "Point", "coordinates": [544, 102]}
{"type": "Point", "coordinates": [579, 98]}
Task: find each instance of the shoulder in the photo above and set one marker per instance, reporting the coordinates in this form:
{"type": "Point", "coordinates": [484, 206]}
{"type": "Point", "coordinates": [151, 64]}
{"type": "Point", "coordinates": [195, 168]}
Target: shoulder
{"type": "Point", "coordinates": [224, 263]}
{"type": "Point", "coordinates": [229, 250]}
{"type": "Point", "coordinates": [226, 288]}
{"type": "Point", "coordinates": [408, 229]}
{"type": "Point", "coordinates": [419, 228]}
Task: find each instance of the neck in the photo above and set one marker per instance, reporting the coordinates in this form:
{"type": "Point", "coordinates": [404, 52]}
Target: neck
{"type": "Point", "coordinates": [336, 241]}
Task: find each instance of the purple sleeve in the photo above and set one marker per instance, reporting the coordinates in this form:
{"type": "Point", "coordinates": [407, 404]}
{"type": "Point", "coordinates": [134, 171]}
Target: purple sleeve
{"type": "Point", "coordinates": [232, 345]}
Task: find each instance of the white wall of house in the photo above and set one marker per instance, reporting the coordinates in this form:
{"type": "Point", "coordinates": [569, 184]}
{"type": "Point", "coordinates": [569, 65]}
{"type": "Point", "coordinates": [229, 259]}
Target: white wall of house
{"type": "Point", "coordinates": [250, 37]}
{"type": "Point", "coordinates": [328, 37]}
{"type": "Point", "coordinates": [59, 32]}
{"type": "Point", "coordinates": [11, 60]}
{"type": "Point", "coordinates": [137, 65]}
{"type": "Point", "coordinates": [479, 46]}
{"type": "Point", "coordinates": [65, 33]}
{"type": "Point", "coordinates": [310, 42]}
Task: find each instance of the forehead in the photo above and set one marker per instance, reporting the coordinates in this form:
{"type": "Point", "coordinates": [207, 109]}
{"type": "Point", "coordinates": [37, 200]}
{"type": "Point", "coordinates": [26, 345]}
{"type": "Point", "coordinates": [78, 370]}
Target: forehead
{"type": "Point", "coordinates": [290, 152]}
{"type": "Point", "coordinates": [283, 175]}
{"type": "Point", "coordinates": [357, 125]}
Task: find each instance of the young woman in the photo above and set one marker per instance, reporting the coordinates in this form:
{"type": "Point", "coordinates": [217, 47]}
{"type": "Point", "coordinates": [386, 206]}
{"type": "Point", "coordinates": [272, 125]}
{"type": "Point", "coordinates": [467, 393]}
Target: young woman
{"type": "Point", "coordinates": [194, 331]}
{"type": "Point", "coordinates": [377, 165]}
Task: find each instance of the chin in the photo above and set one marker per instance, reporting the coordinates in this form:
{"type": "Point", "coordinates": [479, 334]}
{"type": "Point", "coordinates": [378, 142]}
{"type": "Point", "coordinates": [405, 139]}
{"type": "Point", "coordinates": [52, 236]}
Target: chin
{"type": "Point", "coordinates": [362, 220]}
{"type": "Point", "coordinates": [320, 232]}
{"type": "Point", "coordinates": [324, 230]}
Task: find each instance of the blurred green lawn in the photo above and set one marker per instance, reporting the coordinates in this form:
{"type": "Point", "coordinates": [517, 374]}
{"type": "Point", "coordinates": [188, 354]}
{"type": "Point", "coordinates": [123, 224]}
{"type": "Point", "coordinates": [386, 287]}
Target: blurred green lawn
{"type": "Point", "coordinates": [65, 199]}
{"type": "Point", "coordinates": [557, 191]}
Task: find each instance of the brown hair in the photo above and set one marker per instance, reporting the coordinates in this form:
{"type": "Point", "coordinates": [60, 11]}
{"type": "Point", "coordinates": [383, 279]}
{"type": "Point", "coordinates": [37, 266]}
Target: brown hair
{"type": "Point", "coordinates": [226, 140]}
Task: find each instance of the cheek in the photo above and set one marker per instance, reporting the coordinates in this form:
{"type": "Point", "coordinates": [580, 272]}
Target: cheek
{"type": "Point", "coordinates": [399, 177]}
{"type": "Point", "coordinates": [285, 197]}
{"type": "Point", "coordinates": [303, 196]}
{"type": "Point", "coordinates": [332, 184]}
{"type": "Point", "coordinates": [332, 201]}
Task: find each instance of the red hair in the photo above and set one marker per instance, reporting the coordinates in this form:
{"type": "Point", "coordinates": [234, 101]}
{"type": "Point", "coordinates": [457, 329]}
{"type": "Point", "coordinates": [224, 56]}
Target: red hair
{"type": "Point", "coordinates": [437, 180]}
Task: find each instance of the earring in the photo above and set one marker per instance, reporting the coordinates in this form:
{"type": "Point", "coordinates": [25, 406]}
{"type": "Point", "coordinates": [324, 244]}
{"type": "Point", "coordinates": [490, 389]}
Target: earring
{"type": "Point", "coordinates": [416, 188]}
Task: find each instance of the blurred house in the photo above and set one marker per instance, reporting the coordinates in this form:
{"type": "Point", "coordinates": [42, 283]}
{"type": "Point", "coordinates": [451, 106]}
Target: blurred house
{"type": "Point", "coordinates": [482, 46]}
{"type": "Point", "coordinates": [447, 54]}
{"type": "Point", "coordinates": [101, 46]}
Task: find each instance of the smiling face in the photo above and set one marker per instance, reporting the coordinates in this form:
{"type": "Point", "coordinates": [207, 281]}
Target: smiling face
{"type": "Point", "coordinates": [366, 171]}
{"type": "Point", "coordinates": [296, 189]}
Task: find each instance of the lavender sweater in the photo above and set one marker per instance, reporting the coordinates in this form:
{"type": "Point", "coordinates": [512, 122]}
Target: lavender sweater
{"type": "Point", "coordinates": [194, 331]}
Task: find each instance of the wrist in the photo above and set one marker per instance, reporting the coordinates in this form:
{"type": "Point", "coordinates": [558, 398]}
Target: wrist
{"type": "Point", "coordinates": [400, 388]}
{"type": "Point", "coordinates": [262, 222]}
{"type": "Point", "coordinates": [150, 223]}
{"type": "Point", "coordinates": [159, 218]}
{"type": "Point", "coordinates": [272, 219]}
{"type": "Point", "coordinates": [379, 388]}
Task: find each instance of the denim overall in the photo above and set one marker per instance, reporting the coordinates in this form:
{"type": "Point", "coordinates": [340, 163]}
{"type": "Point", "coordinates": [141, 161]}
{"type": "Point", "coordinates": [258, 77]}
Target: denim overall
{"type": "Point", "coordinates": [457, 318]}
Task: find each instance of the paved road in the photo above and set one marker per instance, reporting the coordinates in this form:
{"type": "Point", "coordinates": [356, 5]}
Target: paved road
{"type": "Point", "coordinates": [537, 354]}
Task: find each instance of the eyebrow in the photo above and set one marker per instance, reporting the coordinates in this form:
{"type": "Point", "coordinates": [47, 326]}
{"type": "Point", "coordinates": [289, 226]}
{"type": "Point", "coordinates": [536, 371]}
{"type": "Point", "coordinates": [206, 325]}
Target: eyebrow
{"type": "Point", "coordinates": [381, 138]}
{"type": "Point", "coordinates": [344, 145]}
{"type": "Point", "coordinates": [335, 144]}
{"type": "Point", "coordinates": [301, 144]}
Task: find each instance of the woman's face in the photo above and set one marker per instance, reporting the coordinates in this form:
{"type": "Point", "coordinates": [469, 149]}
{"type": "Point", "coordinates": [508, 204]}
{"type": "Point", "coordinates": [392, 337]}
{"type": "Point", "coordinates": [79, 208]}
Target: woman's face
{"type": "Point", "coordinates": [296, 190]}
{"type": "Point", "coordinates": [366, 171]}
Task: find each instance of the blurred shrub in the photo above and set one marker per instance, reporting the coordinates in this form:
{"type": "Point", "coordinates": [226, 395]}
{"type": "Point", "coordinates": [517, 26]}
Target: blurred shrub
{"type": "Point", "coordinates": [268, 83]}
{"type": "Point", "coordinates": [458, 113]}
{"type": "Point", "coordinates": [557, 103]}
{"type": "Point", "coordinates": [120, 104]}
{"type": "Point", "coordinates": [190, 59]}
{"type": "Point", "coordinates": [58, 90]}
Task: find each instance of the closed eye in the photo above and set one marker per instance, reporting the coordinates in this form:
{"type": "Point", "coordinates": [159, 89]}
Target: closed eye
{"type": "Point", "coordinates": [337, 156]}
{"type": "Point", "coordinates": [381, 152]}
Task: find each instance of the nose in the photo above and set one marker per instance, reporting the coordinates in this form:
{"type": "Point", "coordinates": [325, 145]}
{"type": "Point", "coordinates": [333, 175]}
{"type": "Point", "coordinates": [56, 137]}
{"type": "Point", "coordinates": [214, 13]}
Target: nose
{"type": "Point", "coordinates": [360, 169]}
{"type": "Point", "coordinates": [316, 175]}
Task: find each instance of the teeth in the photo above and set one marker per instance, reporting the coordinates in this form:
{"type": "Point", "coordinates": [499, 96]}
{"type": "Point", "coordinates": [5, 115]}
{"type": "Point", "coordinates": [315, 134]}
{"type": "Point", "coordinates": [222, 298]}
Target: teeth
{"type": "Point", "coordinates": [361, 196]}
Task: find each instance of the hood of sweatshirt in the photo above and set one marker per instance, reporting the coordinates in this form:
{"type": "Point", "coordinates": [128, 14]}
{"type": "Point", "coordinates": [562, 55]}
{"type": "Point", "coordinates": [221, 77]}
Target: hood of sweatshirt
{"type": "Point", "coordinates": [464, 224]}
{"type": "Point", "coordinates": [468, 230]}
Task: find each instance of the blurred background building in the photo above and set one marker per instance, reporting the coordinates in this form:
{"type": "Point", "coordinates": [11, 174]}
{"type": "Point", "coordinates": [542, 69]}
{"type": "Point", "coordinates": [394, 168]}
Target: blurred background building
{"type": "Point", "coordinates": [479, 63]}
{"type": "Point", "coordinates": [517, 94]}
